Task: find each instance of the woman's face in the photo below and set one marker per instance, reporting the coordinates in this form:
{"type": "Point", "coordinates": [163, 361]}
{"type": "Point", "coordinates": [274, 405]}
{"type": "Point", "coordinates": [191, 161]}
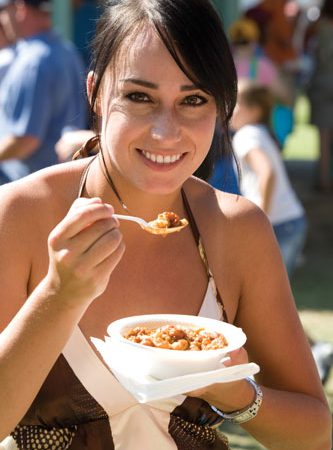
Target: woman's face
{"type": "Point", "coordinates": [157, 126]}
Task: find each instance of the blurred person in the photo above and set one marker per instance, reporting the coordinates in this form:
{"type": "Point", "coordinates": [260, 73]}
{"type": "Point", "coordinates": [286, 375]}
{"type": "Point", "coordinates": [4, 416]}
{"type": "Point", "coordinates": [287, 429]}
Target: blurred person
{"type": "Point", "coordinates": [42, 93]}
{"type": "Point", "coordinates": [280, 31]}
{"type": "Point", "coordinates": [70, 142]}
{"type": "Point", "coordinates": [264, 179]}
{"type": "Point", "coordinates": [248, 54]}
{"type": "Point", "coordinates": [7, 53]}
{"type": "Point", "coordinates": [307, 14]}
{"type": "Point", "coordinates": [158, 93]}
{"type": "Point", "coordinates": [277, 35]}
{"type": "Point", "coordinates": [7, 41]}
{"type": "Point", "coordinates": [85, 16]}
{"type": "Point", "coordinates": [320, 92]}
{"type": "Point", "coordinates": [257, 12]}
{"type": "Point", "coordinates": [276, 29]}
{"type": "Point", "coordinates": [252, 63]}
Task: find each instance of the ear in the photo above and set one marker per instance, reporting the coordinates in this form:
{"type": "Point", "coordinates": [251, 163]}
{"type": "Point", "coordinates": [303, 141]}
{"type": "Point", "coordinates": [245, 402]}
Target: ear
{"type": "Point", "coordinates": [90, 84]}
{"type": "Point", "coordinates": [90, 88]}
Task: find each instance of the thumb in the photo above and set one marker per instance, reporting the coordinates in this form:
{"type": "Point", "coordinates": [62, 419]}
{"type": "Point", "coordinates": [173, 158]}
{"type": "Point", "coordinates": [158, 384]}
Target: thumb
{"type": "Point", "coordinates": [236, 357]}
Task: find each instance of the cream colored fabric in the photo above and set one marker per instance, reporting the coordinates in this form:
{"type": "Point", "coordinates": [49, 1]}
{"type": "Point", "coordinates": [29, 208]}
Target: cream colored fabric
{"type": "Point", "coordinates": [8, 444]}
{"type": "Point", "coordinates": [131, 422]}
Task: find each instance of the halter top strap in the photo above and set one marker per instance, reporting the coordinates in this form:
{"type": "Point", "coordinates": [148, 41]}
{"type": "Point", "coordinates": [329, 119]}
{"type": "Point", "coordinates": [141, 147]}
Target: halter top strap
{"type": "Point", "coordinates": [83, 178]}
{"type": "Point", "coordinates": [202, 252]}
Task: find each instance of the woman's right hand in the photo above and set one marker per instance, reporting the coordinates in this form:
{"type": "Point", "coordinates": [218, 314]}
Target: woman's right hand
{"type": "Point", "coordinates": [84, 249]}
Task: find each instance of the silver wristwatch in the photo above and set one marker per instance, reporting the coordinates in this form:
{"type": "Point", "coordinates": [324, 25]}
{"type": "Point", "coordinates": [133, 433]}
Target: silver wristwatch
{"type": "Point", "coordinates": [248, 413]}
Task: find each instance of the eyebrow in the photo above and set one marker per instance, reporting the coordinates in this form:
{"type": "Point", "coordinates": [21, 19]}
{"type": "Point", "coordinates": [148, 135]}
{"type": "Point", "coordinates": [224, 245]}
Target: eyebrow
{"type": "Point", "coordinates": [150, 85]}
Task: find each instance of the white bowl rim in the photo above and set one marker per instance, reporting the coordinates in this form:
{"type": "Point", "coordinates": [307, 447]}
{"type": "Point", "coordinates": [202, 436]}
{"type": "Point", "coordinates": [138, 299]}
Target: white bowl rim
{"type": "Point", "coordinates": [114, 328]}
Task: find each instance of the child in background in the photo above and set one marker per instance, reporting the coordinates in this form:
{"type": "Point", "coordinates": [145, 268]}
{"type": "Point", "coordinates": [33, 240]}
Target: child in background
{"type": "Point", "coordinates": [264, 179]}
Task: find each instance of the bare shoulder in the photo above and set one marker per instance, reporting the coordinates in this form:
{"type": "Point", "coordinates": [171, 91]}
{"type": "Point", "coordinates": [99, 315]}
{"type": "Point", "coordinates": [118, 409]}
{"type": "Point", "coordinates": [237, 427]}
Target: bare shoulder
{"type": "Point", "coordinates": [238, 239]}
{"type": "Point", "coordinates": [45, 190]}
{"type": "Point", "coordinates": [30, 208]}
{"type": "Point", "coordinates": [217, 210]}
{"type": "Point", "coordinates": [37, 201]}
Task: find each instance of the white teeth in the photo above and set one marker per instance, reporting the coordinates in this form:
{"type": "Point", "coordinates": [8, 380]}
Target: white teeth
{"type": "Point", "coordinates": [160, 159]}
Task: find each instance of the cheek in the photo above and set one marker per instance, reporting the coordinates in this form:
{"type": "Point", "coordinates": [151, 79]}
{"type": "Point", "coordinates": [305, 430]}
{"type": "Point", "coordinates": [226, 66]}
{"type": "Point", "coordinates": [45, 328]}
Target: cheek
{"type": "Point", "coordinates": [113, 135]}
{"type": "Point", "coordinates": [118, 129]}
{"type": "Point", "coordinates": [205, 131]}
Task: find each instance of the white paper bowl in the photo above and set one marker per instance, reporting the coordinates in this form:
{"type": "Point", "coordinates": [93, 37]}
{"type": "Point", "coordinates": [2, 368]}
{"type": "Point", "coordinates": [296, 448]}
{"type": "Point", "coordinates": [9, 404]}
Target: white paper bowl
{"type": "Point", "coordinates": [163, 363]}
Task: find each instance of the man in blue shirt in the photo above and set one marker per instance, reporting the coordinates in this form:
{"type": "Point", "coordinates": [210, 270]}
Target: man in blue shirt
{"type": "Point", "coordinates": [42, 94]}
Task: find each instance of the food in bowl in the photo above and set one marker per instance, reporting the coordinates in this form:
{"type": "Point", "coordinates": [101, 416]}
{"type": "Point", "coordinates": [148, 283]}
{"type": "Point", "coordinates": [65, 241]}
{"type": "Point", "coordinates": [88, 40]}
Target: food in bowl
{"type": "Point", "coordinates": [162, 363]}
{"type": "Point", "coordinates": [177, 337]}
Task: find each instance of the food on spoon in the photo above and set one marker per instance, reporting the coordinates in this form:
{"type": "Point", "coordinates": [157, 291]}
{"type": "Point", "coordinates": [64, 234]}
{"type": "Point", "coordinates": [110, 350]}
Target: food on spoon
{"type": "Point", "coordinates": [168, 220]}
{"type": "Point", "coordinates": [177, 337]}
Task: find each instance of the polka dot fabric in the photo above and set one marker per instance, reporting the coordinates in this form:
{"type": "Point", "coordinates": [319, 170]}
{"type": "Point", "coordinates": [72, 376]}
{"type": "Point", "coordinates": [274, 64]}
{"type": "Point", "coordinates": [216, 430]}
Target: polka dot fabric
{"type": "Point", "coordinates": [39, 438]}
{"type": "Point", "coordinates": [189, 436]}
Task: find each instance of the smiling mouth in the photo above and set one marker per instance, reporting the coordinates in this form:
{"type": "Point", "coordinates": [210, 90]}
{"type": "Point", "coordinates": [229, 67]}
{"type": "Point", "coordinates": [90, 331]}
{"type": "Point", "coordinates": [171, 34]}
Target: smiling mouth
{"type": "Point", "coordinates": [161, 159]}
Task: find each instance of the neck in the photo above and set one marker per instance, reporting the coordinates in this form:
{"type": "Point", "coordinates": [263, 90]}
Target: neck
{"type": "Point", "coordinates": [33, 31]}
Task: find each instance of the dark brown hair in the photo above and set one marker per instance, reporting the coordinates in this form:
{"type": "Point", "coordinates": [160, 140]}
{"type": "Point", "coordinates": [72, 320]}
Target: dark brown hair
{"type": "Point", "coordinates": [191, 30]}
{"type": "Point", "coordinates": [253, 94]}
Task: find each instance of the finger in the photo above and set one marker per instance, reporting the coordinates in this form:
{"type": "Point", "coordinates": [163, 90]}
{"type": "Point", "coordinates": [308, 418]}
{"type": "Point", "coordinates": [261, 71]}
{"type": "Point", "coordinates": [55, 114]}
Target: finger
{"type": "Point", "coordinates": [83, 240]}
{"type": "Point", "coordinates": [105, 246]}
{"type": "Point", "coordinates": [81, 201]}
{"type": "Point", "coordinates": [101, 273]}
{"type": "Point", "coordinates": [225, 361]}
{"type": "Point", "coordinates": [238, 356]}
{"type": "Point", "coordinates": [87, 202]}
{"type": "Point", "coordinates": [78, 220]}
{"type": "Point", "coordinates": [112, 260]}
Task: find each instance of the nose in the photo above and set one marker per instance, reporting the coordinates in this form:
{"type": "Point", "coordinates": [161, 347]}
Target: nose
{"type": "Point", "coordinates": [166, 127]}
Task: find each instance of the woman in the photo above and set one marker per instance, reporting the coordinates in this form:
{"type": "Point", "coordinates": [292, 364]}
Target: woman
{"type": "Point", "coordinates": [157, 96]}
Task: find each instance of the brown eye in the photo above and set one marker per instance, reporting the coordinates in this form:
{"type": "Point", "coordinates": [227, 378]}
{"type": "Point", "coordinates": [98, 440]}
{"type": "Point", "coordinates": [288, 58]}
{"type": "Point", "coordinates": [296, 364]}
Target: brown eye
{"type": "Point", "coordinates": [138, 97]}
{"type": "Point", "coordinates": [195, 100]}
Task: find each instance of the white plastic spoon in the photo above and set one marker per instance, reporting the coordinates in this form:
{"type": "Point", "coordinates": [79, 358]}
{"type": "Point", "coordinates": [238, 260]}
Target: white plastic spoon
{"type": "Point", "coordinates": [151, 227]}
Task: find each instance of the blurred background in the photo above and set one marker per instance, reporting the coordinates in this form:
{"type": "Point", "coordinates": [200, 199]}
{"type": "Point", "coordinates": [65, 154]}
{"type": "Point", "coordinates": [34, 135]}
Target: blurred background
{"type": "Point", "coordinates": [288, 38]}
{"type": "Point", "coordinates": [286, 45]}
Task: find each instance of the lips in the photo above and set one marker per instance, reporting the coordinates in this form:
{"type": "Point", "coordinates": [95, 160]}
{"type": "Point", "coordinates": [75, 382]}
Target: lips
{"type": "Point", "coordinates": [161, 159]}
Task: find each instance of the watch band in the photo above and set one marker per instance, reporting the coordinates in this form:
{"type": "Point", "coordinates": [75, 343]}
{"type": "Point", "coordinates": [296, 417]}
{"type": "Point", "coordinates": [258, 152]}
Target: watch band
{"type": "Point", "coordinates": [247, 413]}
